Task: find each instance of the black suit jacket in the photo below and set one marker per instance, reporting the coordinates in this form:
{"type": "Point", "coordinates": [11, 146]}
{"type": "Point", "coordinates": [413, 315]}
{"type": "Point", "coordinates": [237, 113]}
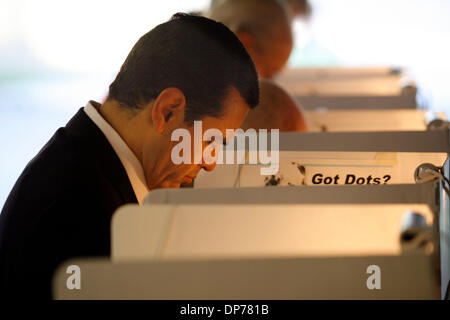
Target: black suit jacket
{"type": "Point", "coordinates": [60, 208]}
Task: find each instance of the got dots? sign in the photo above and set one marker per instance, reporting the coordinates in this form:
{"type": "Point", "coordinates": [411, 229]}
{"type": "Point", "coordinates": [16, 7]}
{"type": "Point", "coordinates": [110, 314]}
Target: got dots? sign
{"type": "Point", "coordinates": [349, 179]}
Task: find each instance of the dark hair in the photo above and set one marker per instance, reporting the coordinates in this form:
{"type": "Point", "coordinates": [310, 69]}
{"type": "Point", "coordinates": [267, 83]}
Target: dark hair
{"type": "Point", "coordinates": [197, 55]}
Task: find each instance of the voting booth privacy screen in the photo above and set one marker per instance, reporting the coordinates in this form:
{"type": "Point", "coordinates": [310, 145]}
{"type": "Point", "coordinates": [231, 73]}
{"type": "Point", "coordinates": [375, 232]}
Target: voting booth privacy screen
{"type": "Point", "coordinates": [312, 159]}
{"type": "Point", "coordinates": [383, 197]}
{"type": "Point", "coordinates": [404, 277]}
{"type": "Point", "coordinates": [324, 168]}
{"type": "Point", "coordinates": [325, 120]}
{"type": "Point", "coordinates": [351, 88]}
{"type": "Point", "coordinates": [259, 231]}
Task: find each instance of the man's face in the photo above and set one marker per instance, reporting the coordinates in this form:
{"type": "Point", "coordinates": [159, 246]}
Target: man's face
{"type": "Point", "coordinates": [167, 174]}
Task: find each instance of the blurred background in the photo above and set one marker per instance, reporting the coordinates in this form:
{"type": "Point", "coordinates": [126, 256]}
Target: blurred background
{"type": "Point", "coordinates": [57, 55]}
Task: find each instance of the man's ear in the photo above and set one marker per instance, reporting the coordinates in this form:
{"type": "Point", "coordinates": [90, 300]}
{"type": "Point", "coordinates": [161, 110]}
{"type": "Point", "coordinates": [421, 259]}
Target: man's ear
{"type": "Point", "coordinates": [168, 108]}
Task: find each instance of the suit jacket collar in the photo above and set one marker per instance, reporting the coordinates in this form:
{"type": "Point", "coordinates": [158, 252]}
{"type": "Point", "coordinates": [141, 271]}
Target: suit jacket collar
{"type": "Point", "coordinates": [83, 129]}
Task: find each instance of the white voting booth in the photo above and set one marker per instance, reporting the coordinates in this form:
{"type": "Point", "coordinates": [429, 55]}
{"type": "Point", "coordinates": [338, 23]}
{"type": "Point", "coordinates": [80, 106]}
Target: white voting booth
{"type": "Point", "coordinates": [407, 100]}
{"type": "Point", "coordinates": [405, 277]}
{"type": "Point", "coordinates": [311, 160]}
{"type": "Point", "coordinates": [284, 242]}
{"type": "Point", "coordinates": [341, 158]}
{"type": "Point", "coordinates": [350, 88]}
{"type": "Point", "coordinates": [372, 120]}
{"type": "Point", "coordinates": [348, 72]}
{"type": "Point", "coordinates": [355, 72]}
{"type": "Point", "coordinates": [214, 231]}
{"type": "Point", "coordinates": [377, 85]}
{"type": "Point", "coordinates": [188, 246]}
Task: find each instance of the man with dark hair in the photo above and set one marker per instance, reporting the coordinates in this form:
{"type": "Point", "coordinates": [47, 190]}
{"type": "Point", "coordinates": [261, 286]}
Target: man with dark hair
{"type": "Point", "coordinates": [189, 68]}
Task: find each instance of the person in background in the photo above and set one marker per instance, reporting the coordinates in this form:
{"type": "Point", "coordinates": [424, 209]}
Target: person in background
{"type": "Point", "coordinates": [276, 109]}
{"type": "Point", "coordinates": [300, 8]}
{"type": "Point", "coordinates": [263, 26]}
{"type": "Point", "coordinates": [111, 154]}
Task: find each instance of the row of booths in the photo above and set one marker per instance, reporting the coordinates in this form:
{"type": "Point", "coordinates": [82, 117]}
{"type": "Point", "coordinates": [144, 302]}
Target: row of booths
{"type": "Point", "coordinates": [358, 209]}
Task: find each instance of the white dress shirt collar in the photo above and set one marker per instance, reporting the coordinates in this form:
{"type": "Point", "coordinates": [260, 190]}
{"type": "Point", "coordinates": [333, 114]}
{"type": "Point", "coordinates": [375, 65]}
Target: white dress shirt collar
{"type": "Point", "coordinates": [129, 161]}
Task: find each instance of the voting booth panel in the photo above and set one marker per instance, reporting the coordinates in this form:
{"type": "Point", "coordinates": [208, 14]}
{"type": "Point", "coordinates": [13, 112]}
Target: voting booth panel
{"type": "Point", "coordinates": [259, 231]}
{"type": "Point", "coordinates": [421, 193]}
{"type": "Point", "coordinates": [350, 88]}
{"type": "Point", "coordinates": [370, 85]}
{"type": "Point", "coordinates": [444, 232]}
{"type": "Point", "coordinates": [402, 277]}
{"type": "Point", "coordinates": [269, 243]}
{"type": "Point", "coordinates": [341, 158]}
{"type": "Point", "coordinates": [411, 232]}
{"type": "Point", "coordinates": [408, 194]}
{"type": "Point", "coordinates": [407, 100]}
{"type": "Point", "coordinates": [323, 168]}
{"type": "Point", "coordinates": [368, 120]}
{"type": "Point", "coordinates": [295, 74]}
{"type": "Point", "coordinates": [234, 252]}
{"type": "Point", "coordinates": [344, 81]}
